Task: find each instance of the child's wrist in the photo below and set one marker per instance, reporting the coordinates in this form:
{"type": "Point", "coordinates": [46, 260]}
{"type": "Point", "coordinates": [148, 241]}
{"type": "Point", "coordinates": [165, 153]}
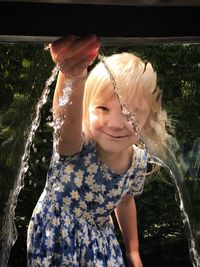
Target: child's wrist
{"type": "Point", "coordinates": [129, 252]}
{"type": "Point", "coordinates": [132, 253]}
{"type": "Point", "coordinates": [76, 77]}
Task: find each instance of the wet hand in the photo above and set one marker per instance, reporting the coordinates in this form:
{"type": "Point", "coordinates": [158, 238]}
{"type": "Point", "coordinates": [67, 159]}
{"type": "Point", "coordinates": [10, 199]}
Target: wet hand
{"type": "Point", "coordinates": [74, 55]}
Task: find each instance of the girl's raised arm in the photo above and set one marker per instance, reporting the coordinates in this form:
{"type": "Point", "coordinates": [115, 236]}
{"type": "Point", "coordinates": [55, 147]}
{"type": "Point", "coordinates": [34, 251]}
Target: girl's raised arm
{"type": "Point", "coordinates": [73, 55]}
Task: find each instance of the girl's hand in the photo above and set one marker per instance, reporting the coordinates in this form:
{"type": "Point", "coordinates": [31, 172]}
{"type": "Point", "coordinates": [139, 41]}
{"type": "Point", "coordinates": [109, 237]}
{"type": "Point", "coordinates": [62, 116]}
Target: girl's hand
{"type": "Point", "coordinates": [133, 259]}
{"type": "Point", "coordinates": [74, 55]}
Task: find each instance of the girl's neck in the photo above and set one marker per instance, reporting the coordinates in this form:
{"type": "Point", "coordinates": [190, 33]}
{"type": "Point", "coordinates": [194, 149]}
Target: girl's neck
{"type": "Point", "coordinates": [118, 162]}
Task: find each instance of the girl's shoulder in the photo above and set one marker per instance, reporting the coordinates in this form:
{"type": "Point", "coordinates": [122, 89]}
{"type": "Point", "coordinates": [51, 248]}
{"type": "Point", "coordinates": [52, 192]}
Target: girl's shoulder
{"type": "Point", "coordinates": [88, 149]}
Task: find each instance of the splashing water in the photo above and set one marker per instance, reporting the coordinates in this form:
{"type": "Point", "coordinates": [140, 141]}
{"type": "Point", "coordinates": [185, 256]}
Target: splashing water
{"type": "Point", "coordinates": [9, 232]}
{"type": "Point", "coordinates": [170, 164]}
{"type": "Point", "coordinates": [58, 121]}
{"type": "Point", "coordinates": [64, 98]}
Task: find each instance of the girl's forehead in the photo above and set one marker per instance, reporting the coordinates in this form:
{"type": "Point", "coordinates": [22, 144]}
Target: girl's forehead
{"type": "Point", "coordinates": [104, 97]}
{"type": "Point", "coordinates": [133, 98]}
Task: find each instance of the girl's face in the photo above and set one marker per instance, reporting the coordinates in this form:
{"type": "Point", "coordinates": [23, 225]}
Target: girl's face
{"type": "Point", "coordinates": [109, 127]}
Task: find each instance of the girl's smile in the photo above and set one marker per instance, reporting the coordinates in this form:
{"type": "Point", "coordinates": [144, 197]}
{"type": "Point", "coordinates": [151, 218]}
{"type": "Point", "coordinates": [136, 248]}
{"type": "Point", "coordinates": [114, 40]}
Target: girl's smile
{"type": "Point", "coordinates": [113, 136]}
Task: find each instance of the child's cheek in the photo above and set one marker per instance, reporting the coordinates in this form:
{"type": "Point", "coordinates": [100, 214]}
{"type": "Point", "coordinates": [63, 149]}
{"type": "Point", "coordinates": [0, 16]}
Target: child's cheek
{"type": "Point", "coordinates": [93, 120]}
{"type": "Point", "coordinates": [93, 117]}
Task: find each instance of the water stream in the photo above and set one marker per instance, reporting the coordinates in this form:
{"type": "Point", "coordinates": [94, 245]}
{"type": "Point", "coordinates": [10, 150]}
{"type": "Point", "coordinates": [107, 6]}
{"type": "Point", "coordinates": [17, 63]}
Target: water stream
{"type": "Point", "coordinates": [192, 225]}
{"type": "Point", "coordinates": [8, 233]}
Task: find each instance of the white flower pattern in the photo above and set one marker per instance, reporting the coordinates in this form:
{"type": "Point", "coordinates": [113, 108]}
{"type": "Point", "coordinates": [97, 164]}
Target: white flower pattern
{"type": "Point", "coordinates": [71, 225]}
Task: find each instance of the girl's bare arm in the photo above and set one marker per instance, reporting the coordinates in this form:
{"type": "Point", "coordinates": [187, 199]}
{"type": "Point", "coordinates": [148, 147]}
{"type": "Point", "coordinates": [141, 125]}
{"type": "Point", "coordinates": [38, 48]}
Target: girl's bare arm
{"type": "Point", "coordinates": [73, 57]}
{"type": "Point", "coordinates": [127, 220]}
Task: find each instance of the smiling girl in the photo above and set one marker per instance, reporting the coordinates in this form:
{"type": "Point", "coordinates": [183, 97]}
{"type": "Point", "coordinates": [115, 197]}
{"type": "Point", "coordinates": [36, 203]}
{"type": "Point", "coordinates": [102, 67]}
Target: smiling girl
{"type": "Point", "coordinates": [101, 168]}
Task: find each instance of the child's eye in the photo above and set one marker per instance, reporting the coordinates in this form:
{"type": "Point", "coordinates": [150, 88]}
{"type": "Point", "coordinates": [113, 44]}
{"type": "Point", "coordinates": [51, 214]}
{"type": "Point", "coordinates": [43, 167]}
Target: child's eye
{"type": "Point", "coordinates": [103, 108]}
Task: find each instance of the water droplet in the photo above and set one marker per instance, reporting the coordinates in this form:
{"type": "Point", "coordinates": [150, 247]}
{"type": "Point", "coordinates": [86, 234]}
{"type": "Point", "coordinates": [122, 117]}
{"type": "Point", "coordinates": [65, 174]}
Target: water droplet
{"type": "Point", "coordinates": [49, 118]}
{"type": "Point", "coordinates": [64, 99]}
{"type": "Point", "coordinates": [43, 159]}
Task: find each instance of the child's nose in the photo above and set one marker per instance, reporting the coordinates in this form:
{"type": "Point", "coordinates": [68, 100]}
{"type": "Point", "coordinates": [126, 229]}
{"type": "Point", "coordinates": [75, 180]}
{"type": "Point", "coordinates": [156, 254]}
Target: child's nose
{"type": "Point", "coordinates": [116, 120]}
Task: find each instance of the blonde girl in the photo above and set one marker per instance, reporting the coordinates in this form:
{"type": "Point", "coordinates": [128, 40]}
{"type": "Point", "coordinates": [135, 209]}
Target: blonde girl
{"type": "Point", "coordinates": [101, 168]}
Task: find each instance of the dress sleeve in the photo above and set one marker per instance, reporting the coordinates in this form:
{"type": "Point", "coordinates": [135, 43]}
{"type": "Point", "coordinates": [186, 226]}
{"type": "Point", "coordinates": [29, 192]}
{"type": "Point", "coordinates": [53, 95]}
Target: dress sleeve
{"type": "Point", "coordinates": [87, 148]}
{"type": "Point", "coordinates": [68, 158]}
{"type": "Point", "coordinates": [139, 172]}
{"type": "Point", "coordinates": [137, 186]}
{"type": "Point", "coordinates": [59, 162]}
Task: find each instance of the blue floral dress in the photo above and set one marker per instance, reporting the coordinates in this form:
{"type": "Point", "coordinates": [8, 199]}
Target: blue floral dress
{"type": "Point", "coordinates": [71, 223]}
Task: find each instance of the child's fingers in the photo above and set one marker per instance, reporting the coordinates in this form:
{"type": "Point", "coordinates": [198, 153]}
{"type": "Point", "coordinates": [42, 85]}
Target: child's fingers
{"type": "Point", "coordinates": [84, 63]}
{"type": "Point", "coordinates": [74, 68]}
{"type": "Point", "coordinates": [86, 56]}
{"type": "Point", "coordinates": [89, 50]}
{"type": "Point", "coordinates": [62, 43]}
{"type": "Point", "coordinates": [74, 55]}
{"type": "Point", "coordinates": [75, 47]}
{"type": "Point", "coordinates": [82, 43]}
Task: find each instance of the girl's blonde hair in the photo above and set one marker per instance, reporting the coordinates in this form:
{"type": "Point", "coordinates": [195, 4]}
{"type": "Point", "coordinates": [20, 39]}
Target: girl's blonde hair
{"type": "Point", "coordinates": [132, 76]}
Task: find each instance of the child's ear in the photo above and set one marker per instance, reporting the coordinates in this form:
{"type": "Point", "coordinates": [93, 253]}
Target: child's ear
{"type": "Point", "coordinates": [157, 94]}
{"type": "Point", "coordinates": [159, 98]}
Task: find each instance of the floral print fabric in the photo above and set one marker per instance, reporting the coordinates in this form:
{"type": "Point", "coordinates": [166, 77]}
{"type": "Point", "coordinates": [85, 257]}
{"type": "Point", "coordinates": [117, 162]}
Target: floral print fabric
{"type": "Point", "coordinates": [71, 223]}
